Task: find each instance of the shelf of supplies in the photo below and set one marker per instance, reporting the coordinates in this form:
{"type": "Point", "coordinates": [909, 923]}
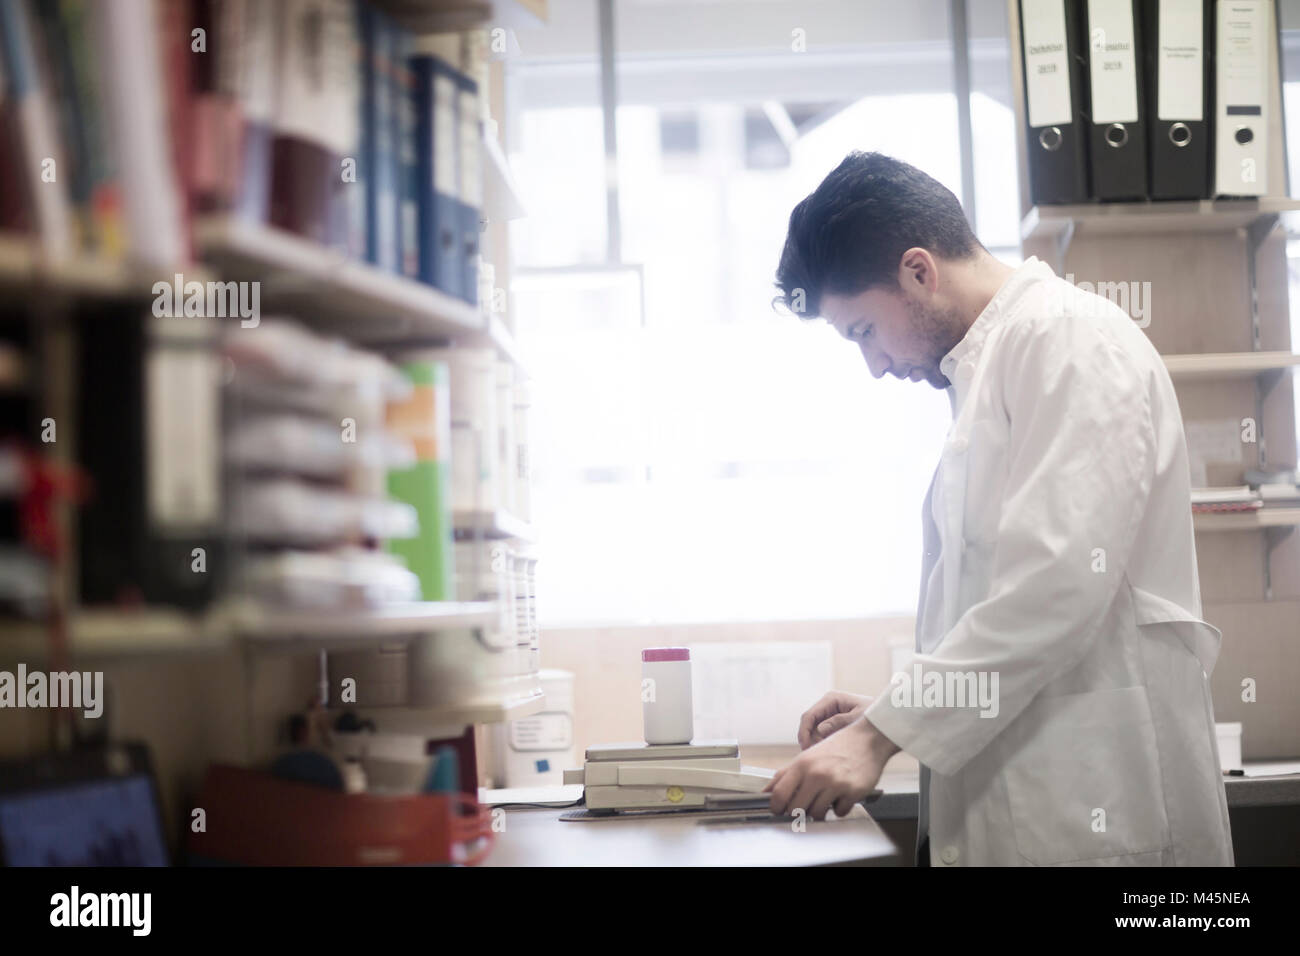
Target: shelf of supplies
{"type": "Point", "coordinates": [1213, 366]}
{"type": "Point", "coordinates": [1149, 218]}
{"type": "Point", "coordinates": [453, 16]}
{"type": "Point", "coordinates": [491, 524]}
{"type": "Point", "coordinates": [1247, 520]}
{"type": "Point", "coordinates": [325, 287]}
{"type": "Point", "coordinates": [337, 630]}
{"type": "Point", "coordinates": [107, 633]}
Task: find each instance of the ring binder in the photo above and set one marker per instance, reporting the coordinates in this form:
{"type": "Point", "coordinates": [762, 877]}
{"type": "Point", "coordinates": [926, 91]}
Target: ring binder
{"type": "Point", "coordinates": [1177, 60]}
{"type": "Point", "coordinates": [1058, 171]}
{"type": "Point", "coordinates": [1242, 43]}
{"type": "Point", "coordinates": [1117, 131]}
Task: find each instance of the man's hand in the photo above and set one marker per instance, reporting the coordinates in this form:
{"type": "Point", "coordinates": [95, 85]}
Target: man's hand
{"type": "Point", "coordinates": [838, 772]}
{"type": "Point", "coordinates": [837, 709]}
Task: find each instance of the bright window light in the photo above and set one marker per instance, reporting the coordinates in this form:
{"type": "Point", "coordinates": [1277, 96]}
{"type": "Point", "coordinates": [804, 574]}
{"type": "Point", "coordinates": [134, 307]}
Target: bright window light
{"type": "Point", "coordinates": [709, 458]}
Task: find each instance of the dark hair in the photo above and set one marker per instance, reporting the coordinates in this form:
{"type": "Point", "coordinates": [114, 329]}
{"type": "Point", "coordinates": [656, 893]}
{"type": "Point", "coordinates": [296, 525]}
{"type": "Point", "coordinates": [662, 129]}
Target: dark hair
{"type": "Point", "coordinates": [851, 232]}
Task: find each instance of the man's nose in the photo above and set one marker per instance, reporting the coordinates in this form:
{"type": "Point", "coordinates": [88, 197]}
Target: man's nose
{"type": "Point", "coordinates": [875, 361]}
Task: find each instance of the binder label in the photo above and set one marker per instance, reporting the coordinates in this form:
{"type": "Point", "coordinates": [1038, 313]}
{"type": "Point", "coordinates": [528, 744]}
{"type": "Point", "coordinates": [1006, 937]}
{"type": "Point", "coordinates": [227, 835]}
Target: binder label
{"type": "Point", "coordinates": [1047, 63]}
{"type": "Point", "coordinates": [1180, 93]}
{"type": "Point", "coordinates": [1241, 55]}
{"type": "Point", "coordinates": [444, 135]}
{"type": "Point", "coordinates": [471, 177]}
{"type": "Point", "coordinates": [183, 429]}
{"type": "Point", "coordinates": [1112, 64]}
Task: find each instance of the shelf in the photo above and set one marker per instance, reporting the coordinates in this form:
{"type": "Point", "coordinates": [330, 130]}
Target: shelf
{"type": "Point", "coordinates": [1215, 366]}
{"type": "Point", "coordinates": [451, 719]}
{"type": "Point", "coordinates": [22, 267]}
{"type": "Point", "coordinates": [1149, 218]}
{"type": "Point", "coordinates": [503, 340]}
{"type": "Point", "coordinates": [18, 260]}
{"type": "Point", "coordinates": [325, 288]}
{"type": "Point", "coordinates": [339, 630]}
{"type": "Point", "coordinates": [452, 16]}
{"type": "Point", "coordinates": [110, 633]}
{"type": "Point", "coordinates": [491, 524]}
{"type": "Point", "coordinates": [101, 634]}
{"type": "Point", "coordinates": [1247, 520]}
{"type": "Point", "coordinates": [502, 196]}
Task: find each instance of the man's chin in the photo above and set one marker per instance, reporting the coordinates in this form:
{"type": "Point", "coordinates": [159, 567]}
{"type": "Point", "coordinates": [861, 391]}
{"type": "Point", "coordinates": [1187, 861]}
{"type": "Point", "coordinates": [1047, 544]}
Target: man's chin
{"type": "Point", "coordinates": [931, 376]}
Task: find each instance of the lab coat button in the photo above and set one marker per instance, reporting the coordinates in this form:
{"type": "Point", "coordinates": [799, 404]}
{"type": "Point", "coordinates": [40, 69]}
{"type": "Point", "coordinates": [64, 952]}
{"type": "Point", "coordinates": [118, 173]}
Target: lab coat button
{"type": "Point", "coordinates": [949, 855]}
{"type": "Point", "coordinates": [957, 445]}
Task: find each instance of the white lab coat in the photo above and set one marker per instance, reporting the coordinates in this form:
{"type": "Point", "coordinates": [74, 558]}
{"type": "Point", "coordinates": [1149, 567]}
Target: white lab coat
{"type": "Point", "coordinates": [1062, 552]}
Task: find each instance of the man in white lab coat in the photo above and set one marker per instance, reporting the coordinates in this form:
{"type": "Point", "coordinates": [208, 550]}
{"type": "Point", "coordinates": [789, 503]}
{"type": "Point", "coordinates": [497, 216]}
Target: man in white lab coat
{"type": "Point", "coordinates": [1059, 698]}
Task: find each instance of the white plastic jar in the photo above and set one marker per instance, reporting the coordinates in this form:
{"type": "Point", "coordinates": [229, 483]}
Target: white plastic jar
{"type": "Point", "coordinates": [666, 703]}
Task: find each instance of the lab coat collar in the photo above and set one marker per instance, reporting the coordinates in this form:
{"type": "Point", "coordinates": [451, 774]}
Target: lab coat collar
{"type": "Point", "coordinates": [958, 365]}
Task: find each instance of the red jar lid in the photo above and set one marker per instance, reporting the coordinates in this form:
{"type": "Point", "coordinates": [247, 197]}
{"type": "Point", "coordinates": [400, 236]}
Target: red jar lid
{"type": "Point", "coordinates": [665, 654]}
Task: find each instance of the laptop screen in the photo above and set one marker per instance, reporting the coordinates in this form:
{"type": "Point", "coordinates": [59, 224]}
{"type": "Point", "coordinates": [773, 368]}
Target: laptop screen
{"type": "Point", "coordinates": [104, 822]}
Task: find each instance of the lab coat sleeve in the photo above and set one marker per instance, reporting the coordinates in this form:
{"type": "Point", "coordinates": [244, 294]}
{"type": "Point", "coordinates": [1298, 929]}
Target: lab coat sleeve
{"type": "Point", "coordinates": [1079, 472]}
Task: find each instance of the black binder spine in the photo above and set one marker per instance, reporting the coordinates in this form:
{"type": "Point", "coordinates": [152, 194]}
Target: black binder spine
{"type": "Point", "coordinates": [1181, 127]}
{"type": "Point", "coordinates": [1052, 53]}
{"type": "Point", "coordinates": [1117, 140]}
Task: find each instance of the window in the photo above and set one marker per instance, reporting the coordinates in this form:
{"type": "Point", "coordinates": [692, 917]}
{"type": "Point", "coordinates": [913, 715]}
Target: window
{"type": "Point", "coordinates": [698, 455]}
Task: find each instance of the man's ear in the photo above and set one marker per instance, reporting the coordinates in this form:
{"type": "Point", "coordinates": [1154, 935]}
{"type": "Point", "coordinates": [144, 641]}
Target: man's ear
{"type": "Point", "coordinates": [916, 270]}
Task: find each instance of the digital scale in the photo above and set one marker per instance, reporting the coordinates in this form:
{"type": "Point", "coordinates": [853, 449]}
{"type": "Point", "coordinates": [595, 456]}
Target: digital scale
{"type": "Point", "coordinates": [703, 775]}
{"type": "Point", "coordinates": [641, 779]}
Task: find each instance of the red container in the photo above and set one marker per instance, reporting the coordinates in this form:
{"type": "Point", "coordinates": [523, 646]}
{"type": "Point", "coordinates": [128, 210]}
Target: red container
{"type": "Point", "coordinates": [254, 819]}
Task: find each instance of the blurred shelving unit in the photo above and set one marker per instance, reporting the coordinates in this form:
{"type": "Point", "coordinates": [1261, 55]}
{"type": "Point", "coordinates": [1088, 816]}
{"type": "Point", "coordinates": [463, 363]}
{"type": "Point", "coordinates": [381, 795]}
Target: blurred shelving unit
{"type": "Point", "coordinates": [104, 635]}
{"type": "Point", "coordinates": [352, 298]}
{"type": "Point", "coordinates": [367, 306]}
{"type": "Point", "coordinates": [100, 634]}
{"type": "Point", "coordinates": [361, 629]}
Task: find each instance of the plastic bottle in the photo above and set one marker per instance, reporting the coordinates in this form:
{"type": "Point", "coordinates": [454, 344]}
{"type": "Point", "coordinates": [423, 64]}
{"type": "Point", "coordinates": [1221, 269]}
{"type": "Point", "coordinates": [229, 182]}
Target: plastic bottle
{"type": "Point", "coordinates": [667, 708]}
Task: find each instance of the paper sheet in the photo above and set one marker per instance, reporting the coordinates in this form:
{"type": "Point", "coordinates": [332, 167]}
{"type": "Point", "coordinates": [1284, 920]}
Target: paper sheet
{"type": "Point", "coordinates": [1214, 442]}
{"type": "Point", "coordinates": [756, 692]}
